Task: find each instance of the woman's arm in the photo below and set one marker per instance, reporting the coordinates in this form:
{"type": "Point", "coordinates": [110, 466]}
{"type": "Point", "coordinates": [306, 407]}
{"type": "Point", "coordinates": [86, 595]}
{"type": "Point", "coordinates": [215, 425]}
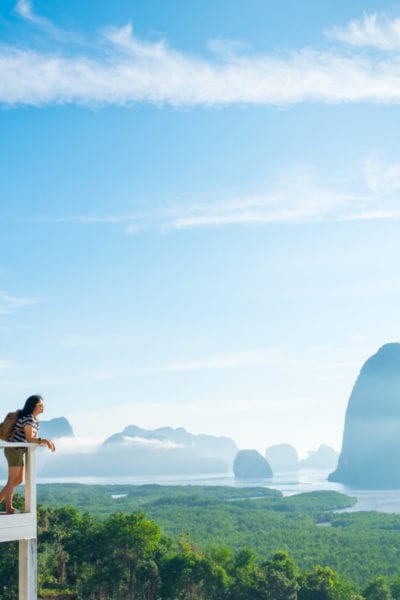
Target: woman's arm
{"type": "Point", "coordinates": [30, 436]}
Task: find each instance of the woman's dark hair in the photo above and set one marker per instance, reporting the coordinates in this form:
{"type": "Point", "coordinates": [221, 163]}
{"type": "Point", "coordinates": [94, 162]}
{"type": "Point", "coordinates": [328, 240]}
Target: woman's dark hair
{"type": "Point", "coordinates": [30, 405]}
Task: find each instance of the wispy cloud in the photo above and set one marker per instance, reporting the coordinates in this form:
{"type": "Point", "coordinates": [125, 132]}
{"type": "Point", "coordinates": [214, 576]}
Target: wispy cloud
{"type": "Point", "coordinates": [296, 196]}
{"type": "Point", "coordinates": [9, 304]}
{"type": "Point", "coordinates": [376, 31]}
{"type": "Point", "coordinates": [124, 69]}
{"type": "Point", "coordinates": [302, 203]}
{"type": "Point", "coordinates": [24, 8]}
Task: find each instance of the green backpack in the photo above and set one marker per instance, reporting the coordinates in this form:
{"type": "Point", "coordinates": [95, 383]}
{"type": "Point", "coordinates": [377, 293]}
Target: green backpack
{"type": "Point", "coordinates": [8, 425]}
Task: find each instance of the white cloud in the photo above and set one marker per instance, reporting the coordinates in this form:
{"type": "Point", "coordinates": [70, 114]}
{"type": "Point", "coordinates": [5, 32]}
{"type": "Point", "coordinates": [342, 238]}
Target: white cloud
{"type": "Point", "coordinates": [128, 70]}
{"type": "Point", "coordinates": [67, 445]}
{"type": "Point", "coordinates": [9, 304]}
{"type": "Point", "coordinates": [153, 443]}
{"type": "Point", "coordinates": [377, 31]}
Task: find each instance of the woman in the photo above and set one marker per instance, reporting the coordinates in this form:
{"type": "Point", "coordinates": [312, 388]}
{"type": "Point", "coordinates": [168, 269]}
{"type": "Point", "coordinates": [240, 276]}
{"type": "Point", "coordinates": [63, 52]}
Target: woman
{"type": "Point", "coordinates": [25, 430]}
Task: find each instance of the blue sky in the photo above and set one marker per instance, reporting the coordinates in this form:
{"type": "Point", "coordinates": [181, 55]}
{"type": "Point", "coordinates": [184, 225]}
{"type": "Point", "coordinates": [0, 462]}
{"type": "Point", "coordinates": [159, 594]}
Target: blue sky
{"type": "Point", "coordinates": [199, 211]}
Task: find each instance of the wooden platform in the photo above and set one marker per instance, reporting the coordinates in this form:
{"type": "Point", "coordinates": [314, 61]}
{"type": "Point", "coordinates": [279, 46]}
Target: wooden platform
{"type": "Point", "coordinates": [22, 527]}
{"type": "Point", "coordinates": [17, 527]}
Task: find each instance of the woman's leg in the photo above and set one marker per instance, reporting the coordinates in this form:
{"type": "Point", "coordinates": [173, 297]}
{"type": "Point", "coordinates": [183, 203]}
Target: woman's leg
{"type": "Point", "coordinates": [15, 478]}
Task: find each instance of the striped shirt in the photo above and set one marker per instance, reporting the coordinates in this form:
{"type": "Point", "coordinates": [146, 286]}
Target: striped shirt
{"type": "Point", "coordinates": [18, 433]}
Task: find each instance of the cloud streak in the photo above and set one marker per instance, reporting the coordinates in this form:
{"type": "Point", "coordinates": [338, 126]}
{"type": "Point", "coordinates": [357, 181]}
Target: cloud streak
{"type": "Point", "coordinates": [124, 70]}
{"type": "Point", "coordinates": [374, 31]}
{"type": "Point", "coordinates": [9, 304]}
{"type": "Point", "coordinates": [259, 210]}
{"type": "Point", "coordinates": [24, 8]}
{"type": "Point", "coordinates": [297, 196]}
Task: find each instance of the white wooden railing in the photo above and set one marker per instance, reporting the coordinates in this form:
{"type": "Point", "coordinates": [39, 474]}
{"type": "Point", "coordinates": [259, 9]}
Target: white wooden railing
{"type": "Point", "coordinates": [23, 527]}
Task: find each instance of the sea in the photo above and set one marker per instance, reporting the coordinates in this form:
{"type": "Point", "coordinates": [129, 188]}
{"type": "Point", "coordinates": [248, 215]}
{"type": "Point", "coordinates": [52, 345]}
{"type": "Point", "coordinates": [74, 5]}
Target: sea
{"type": "Point", "coordinates": [289, 483]}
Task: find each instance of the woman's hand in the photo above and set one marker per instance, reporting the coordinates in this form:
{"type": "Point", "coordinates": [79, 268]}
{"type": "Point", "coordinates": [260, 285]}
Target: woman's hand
{"type": "Point", "coordinates": [50, 444]}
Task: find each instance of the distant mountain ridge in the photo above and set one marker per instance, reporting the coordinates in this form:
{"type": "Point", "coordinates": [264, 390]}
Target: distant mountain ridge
{"type": "Point", "coordinates": [283, 457]}
{"type": "Point", "coordinates": [323, 458]}
{"type": "Point", "coordinates": [137, 451]}
{"type": "Point", "coordinates": [205, 445]}
{"type": "Point", "coordinates": [56, 428]}
{"type": "Point", "coordinates": [166, 451]}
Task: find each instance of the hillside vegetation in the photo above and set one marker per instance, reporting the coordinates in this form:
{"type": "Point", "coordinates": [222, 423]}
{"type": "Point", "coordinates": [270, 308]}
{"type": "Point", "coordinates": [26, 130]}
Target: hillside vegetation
{"type": "Point", "coordinates": [207, 543]}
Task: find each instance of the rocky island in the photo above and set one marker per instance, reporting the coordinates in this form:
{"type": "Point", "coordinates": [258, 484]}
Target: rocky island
{"type": "Point", "coordinates": [370, 452]}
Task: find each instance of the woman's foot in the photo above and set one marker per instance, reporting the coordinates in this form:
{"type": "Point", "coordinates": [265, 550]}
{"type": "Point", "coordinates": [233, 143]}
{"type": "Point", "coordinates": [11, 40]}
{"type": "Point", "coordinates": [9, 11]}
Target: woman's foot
{"type": "Point", "coordinates": [12, 511]}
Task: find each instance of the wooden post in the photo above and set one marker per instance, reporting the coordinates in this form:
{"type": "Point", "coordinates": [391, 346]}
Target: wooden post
{"type": "Point", "coordinates": [27, 589]}
{"type": "Point", "coordinates": [30, 482]}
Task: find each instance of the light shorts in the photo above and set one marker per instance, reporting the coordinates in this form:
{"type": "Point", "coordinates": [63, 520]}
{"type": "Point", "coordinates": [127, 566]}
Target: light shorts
{"type": "Point", "coordinates": [15, 456]}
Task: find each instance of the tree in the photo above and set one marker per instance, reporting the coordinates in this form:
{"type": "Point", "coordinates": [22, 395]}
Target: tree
{"type": "Point", "coordinates": [8, 570]}
{"type": "Point", "coordinates": [246, 576]}
{"type": "Point", "coordinates": [395, 588]}
{"type": "Point", "coordinates": [377, 589]}
{"type": "Point", "coordinates": [129, 540]}
{"type": "Point", "coordinates": [149, 580]}
{"type": "Point", "coordinates": [322, 583]}
{"type": "Point", "coordinates": [189, 574]}
{"type": "Point", "coordinates": [279, 587]}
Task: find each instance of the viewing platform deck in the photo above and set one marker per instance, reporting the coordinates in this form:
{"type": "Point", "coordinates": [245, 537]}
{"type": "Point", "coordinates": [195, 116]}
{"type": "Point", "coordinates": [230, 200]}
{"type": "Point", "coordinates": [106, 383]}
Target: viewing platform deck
{"type": "Point", "coordinates": [22, 527]}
